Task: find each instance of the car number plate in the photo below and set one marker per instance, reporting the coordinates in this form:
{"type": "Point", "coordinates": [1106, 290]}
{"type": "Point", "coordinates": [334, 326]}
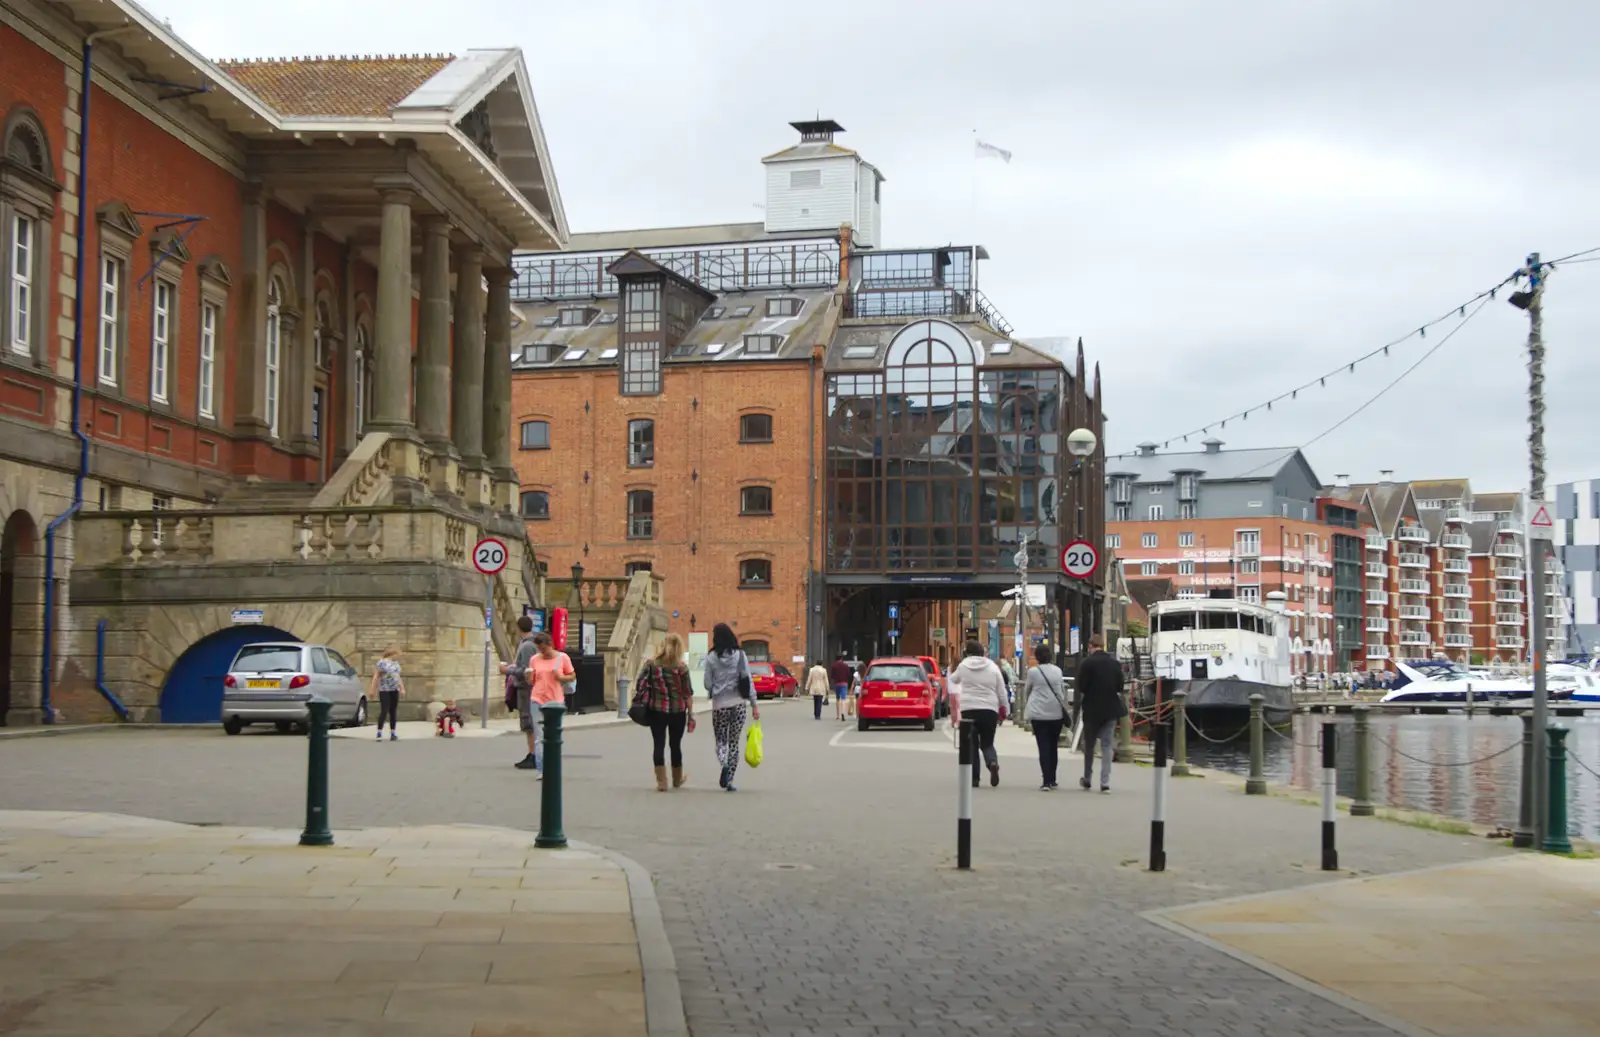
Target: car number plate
{"type": "Point", "coordinates": [262, 684]}
{"type": "Point", "coordinates": [896, 694]}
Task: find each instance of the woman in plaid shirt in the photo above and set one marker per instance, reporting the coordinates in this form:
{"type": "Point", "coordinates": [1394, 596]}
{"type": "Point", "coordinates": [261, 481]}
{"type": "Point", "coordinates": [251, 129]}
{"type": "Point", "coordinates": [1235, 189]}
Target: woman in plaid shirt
{"type": "Point", "coordinates": [667, 693]}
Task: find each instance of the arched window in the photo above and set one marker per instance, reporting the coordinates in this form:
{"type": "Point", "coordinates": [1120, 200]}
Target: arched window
{"type": "Point", "coordinates": [756, 651]}
{"type": "Point", "coordinates": [535, 505]}
{"type": "Point", "coordinates": [320, 335]}
{"type": "Point", "coordinates": [274, 343]}
{"type": "Point", "coordinates": [641, 514]}
{"type": "Point", "coordinates": [755, 573]}
{"type": "Point", "coordinates": [755, 500]}
{"type": "Point", "coordinates": [361, 379]}
{"type": "Point", "coordinates": [27, 204]}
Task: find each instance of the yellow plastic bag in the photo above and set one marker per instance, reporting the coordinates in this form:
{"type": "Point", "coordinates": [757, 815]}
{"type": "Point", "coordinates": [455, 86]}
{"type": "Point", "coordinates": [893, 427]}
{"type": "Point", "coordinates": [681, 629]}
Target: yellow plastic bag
{"type": "Point", "coordinates": [752, 744]}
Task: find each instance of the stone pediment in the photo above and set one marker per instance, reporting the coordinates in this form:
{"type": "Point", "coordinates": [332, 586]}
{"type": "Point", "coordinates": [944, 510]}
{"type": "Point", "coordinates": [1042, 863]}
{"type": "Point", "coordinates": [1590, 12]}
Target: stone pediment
{"type": "Point", "coordinates": [116, 216]}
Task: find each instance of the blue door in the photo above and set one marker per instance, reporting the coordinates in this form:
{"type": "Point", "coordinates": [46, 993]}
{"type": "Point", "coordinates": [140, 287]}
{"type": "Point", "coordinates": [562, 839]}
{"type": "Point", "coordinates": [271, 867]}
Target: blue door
{"type": "Point", "coordinates": [193, 691]}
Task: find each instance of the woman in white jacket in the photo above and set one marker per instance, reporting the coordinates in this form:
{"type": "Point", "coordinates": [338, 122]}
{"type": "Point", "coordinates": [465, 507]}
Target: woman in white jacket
{"type": "Point", "coordinates": [978, 692]}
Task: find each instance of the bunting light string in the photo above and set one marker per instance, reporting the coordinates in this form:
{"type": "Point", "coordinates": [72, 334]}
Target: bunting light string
{"type": "Point", "coordinates": [1457, 312]}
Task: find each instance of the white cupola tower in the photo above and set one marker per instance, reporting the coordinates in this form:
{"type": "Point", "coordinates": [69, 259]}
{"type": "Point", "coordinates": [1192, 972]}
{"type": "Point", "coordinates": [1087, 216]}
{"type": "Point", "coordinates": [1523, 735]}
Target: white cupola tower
{"type": "Point", "coordinates": [816, 185]}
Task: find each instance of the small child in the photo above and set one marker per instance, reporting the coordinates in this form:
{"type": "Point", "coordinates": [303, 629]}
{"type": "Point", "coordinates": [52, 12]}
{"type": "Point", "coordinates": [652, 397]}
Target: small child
{"type": "Point", "coordinates": [449, 720]}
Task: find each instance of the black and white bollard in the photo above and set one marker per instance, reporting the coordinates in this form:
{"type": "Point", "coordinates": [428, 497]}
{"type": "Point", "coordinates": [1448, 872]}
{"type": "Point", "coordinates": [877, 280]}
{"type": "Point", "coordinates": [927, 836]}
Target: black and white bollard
{"type": "Point", "coordinates": [1330, 795]}
{"type": "Point", "coordinates": [966, 751]}
{"type": "Point", "coordinates": [1158, 810]}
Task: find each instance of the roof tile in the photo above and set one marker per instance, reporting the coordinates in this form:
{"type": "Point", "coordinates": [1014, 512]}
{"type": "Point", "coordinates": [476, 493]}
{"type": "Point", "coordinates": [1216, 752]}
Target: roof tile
{"type": "Point", "coordinates": [355, 87]}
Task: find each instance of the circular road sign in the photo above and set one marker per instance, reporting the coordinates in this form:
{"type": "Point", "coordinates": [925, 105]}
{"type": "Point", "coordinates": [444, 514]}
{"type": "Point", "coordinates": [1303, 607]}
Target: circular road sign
{"type": "Point", "coordinates": [489, 555]}
{"type": "Point", "coordinates": [1080, 559]}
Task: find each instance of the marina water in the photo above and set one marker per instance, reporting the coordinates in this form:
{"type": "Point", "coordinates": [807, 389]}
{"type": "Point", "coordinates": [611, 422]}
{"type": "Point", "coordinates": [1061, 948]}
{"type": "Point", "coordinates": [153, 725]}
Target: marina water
{"type": "Point", "coordinates": [1460, 778]}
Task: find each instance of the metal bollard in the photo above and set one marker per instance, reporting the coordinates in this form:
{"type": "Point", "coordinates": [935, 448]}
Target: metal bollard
{"type": "Point", "coordinates": [1555, 829]}
{"type": "Point", "coordinates": [1256, 784]}
{"type": "Point", "coordinates": [550, 836]}
{"type": "Point", "coordinates": [1362, 805]}
{"type": "Point", "coordinates": [316, 831]}
{"type": "Point", "coordinates": [1180, 735]}
{"type": "Point", "coordinates": [1158, 810]}
{"type": "Point", "coordinates": [965, 758]}
{"type": "Point", "coordinates": [622, 698]}
{"type": "Point", "coordinates": [1522, 838]}
{"type": "Point", "coordinates": [1330, 795]}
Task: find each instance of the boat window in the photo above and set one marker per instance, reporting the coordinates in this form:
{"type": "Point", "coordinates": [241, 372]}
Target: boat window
{"type": "Point", "coordinates": [1222, 620]}
{"type": "Point", "coordinates": [1177, 621]}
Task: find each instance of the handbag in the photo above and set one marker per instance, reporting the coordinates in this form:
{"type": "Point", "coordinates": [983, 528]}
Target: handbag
{"type": "Point", "coordinates": [744, 679]}
{"type": "Point", "coordinates": [511, 692]}
{"type": "Point", "coordinates": [638, 712]}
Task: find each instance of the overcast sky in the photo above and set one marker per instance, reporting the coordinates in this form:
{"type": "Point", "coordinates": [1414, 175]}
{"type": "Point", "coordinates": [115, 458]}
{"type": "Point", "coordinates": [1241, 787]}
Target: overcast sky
{"type": "Point", "coordinates": [1223, 199]}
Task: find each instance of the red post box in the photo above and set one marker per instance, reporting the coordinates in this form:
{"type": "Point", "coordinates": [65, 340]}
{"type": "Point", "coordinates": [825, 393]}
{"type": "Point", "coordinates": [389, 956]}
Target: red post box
{"type": "Point", "coordinates": [558, 628]}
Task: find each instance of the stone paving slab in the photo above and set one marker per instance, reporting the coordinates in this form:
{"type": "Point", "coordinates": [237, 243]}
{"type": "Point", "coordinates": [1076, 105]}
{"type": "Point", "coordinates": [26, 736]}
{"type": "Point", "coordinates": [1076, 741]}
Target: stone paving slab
{"type": "Point", "coordinates": [1473, 950]}
{"type": "Point", "coordinates": [120, 925]}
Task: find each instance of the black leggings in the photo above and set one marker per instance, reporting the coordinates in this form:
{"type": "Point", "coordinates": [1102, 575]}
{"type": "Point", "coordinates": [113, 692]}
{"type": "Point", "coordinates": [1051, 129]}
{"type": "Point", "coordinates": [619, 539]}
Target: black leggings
{"type": "Point", "coordinates": [984, 722]}
{"type": "Point", "coordinates": [388, 707]}
{"type": "Point", "coordinates": [664, 726]}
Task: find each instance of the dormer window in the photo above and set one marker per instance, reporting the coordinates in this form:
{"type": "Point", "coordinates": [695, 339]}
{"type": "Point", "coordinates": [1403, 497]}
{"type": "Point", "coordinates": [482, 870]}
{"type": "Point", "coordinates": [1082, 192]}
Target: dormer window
{"type": "Point", "coordinates": [538, 353]}
{"type": "Point", "coordinates": [643, 307]}
{"type": "Point", "coordinates": [762, 345]}
{"type": "Point", "coordinates": [784, 307]}
{"type": "Point", "coordinates": [576, 317]}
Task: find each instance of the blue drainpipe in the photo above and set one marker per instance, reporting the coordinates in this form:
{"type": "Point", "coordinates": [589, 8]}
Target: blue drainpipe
{"type": "Point", "coordinates": [100, 671]}
{"type": "Point", "coordinates": [48, 712]}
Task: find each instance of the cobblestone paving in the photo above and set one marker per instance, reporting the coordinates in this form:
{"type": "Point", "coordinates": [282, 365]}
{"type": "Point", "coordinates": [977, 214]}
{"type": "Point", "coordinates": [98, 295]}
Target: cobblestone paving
{"type": "Point", "coordinates": [821, 899]}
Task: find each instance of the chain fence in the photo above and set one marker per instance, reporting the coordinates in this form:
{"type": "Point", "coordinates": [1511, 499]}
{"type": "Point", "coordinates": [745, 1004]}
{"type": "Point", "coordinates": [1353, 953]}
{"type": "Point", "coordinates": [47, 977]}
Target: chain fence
{"type": "Point", "coordinates": [1447, 763]}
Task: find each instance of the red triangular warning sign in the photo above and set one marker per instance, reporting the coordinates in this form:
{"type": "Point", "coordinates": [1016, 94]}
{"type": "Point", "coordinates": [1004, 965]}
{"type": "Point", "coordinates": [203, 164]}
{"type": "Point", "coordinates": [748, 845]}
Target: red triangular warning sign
{"type": "Point", "coordinates": [1541, 518]}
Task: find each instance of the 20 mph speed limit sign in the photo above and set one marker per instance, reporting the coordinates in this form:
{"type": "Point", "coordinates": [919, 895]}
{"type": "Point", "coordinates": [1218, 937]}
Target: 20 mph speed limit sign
{"type": "Point", "coordinates": [489, 556]}
{"type": "Point", "coordinates": [1080, 559]}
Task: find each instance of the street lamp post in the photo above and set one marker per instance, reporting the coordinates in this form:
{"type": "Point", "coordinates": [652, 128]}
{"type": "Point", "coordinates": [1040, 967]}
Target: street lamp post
{"type": "Point", "coordinates": [577, 588]}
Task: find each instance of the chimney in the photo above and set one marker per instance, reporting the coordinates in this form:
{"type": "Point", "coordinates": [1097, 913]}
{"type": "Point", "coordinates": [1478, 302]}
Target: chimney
{"type": "Point", "coordinates": [1213, 445]}
{"type": "Point", "coordinates": [1342, 481]}
{"type": "Point", "coordinates": [845, 234]}
{"type": "Point", "coordinates": [1147, 450]}
{"type": "Point", "coordinates": [1386, 475]}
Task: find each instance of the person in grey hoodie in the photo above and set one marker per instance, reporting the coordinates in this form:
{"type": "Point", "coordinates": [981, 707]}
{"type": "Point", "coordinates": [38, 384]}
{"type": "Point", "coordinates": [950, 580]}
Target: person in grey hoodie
{"type": "Point", "coordinates": [727, 680]}
{"type": "Point", "coordinates": [1045, 707]}
{"type": "Point", "coordinates": [978, 692]}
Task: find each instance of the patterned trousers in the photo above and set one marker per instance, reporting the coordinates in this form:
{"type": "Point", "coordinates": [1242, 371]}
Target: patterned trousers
{"type": "Point", "coordinates": [727, 724]}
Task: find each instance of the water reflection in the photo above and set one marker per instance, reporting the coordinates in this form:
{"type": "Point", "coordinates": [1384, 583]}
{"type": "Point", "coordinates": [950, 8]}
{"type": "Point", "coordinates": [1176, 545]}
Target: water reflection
{"type": "Point", "coordinates": [1473, 787]}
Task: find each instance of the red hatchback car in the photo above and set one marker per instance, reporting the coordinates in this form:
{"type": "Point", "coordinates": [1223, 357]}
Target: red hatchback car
{"type": "Point", "coordinates": [896, 688]}
{"type": "Point", "coordinates": [772, 681]}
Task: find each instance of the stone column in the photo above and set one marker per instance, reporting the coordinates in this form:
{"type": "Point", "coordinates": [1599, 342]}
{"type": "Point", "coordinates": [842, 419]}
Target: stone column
{"type": "Point", "coordinates": [300, 371]}
{"type": "Point", "coordinates": [345, 387]}
{"type": "Point", "coordinates": [393, 333]}
{"type": "Point", "coordinates": [249, 392]}
{"type": "Point", "coordinates": [497, 389]}
{"type": "Point", "coordinates": [433, 354]}
{"type": "Point", "coordinates": [467, 378]}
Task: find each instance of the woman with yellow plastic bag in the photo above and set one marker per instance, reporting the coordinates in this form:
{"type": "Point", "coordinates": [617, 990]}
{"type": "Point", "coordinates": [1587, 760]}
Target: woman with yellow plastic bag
{"type": "Point", "coordinates": [727, 680]}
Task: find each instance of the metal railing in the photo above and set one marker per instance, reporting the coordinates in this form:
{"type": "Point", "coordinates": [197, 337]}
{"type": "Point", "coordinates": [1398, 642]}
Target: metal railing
{"type": "Point", "coordinates": [786, 265]}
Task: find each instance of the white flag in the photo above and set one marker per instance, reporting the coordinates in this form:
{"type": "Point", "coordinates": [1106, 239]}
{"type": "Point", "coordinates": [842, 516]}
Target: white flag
{"type": "Point", "coordinates": [990, 151]}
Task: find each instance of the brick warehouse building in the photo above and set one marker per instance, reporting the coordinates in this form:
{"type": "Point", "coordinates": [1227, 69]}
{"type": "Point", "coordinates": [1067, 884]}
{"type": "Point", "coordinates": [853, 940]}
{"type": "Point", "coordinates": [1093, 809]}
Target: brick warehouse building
{"type": "Point", "coordinates": [690, 400]}
{"type": "Point", "coordinates": [291, 370]}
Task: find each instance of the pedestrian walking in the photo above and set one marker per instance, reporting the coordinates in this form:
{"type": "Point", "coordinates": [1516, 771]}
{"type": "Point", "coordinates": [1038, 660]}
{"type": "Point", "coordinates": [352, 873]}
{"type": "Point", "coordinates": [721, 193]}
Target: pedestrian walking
{"type": "Point", "coordinates": [817, 686]}
{"type": "Point", "coordinates": [727, 680]}
{"type": "Point", "coordinates": [668, 696]}
{"type": "Point", "coordinates": [1045, 700]}
{"type": "Point", "coordinates": [1101, 706]}
{"type": "Point", "coordinates": [517, 671]}
{"type": "Point", "coordinates": [978, 692]}
{"type": "Point", "coordinates": [388, 686]}
{"type": "Point", "coordinates": [840, 674]}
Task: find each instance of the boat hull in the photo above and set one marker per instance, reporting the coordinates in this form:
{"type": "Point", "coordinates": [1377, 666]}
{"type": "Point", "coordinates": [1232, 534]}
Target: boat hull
{"type": "Point", "coordinates": [1223, 696]}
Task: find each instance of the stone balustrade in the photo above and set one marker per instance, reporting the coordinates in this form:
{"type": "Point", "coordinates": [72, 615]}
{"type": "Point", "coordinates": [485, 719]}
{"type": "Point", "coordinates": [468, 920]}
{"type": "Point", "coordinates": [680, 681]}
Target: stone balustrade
{"type": "Point", "coordinates": [363, 479]}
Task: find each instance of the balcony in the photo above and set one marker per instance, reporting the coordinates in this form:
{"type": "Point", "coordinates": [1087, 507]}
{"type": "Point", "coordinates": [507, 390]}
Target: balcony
{"type": "Point", "coordinates": [1377, 625]}
{"type": "Point", "coordinates": [1458, 640]}
{"type": "Point", "coordinates": [1457, 565]}
{"type": "Point", "coordinates": [1509, 572]}
{"type": "Point", "coordinates": [1413, 586]}
{"type": "Point", "coordinates": [1458, 590]}
{"type": "Point", "coordinates": [1415, 612]}
{"type": "Point", "coordinates": [1457, 540]}
{"type": "Point", "coordinates": [1507, 526]}
{"type": "Point", "coordinates": [1509, 641]}
{"type": "Point", "coordinates": [790, 265]}
{"type": "Point", "coordinates": [1508, 619]}
{"type": "Point", "coordinates": [1376, 542]}
{"type": "Point", "coordinates": [1377, 598]}
{"type": "Point", "coordinates": [1509, 596]}
{"type": "Point", "coordinates": [1455, 513]}
{"type": "Point", "coordinates": [1457, 616]}
{"type": "Point", "coordinates": [1413, 534]}
{"type": "Point", "coordinates": [1414, 637]}
{"type": "Point", "coordinates": [1377, 651]}
{"type": "Point", "coordinates": [1412, 561]}
{"type": "Point", "coordinates": [1507, 549]}
{"type": "Point", "coordinates": [1377, 569]}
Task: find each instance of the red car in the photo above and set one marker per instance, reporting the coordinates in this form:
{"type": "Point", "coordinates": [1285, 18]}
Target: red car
{"type": "Point", "coordinates": [941, 686]}
{"type": "Point", "coordinates": [773, 681]}
{"type": "Point", "coordinates": [897, 688]}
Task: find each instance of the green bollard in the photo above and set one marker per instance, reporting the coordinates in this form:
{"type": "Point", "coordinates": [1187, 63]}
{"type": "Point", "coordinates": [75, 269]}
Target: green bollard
{"type": "Point", "coordinates": [1522, 838]}
{"type": "Point", "coordinates": [317, 832]}
{"type": "Point", "coordinates": [1256, 784]}
{"type": "Point", "coordinates": [1180, 735]}
{"type": "Point", "coordinates": [1555, 830]}
{"type": "Point", "coordinates": [1361, 806]}
{"type": "Point", "coordinates": [550, 836]}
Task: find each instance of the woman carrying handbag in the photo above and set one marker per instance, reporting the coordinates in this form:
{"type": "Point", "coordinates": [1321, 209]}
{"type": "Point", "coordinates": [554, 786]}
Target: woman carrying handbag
{"type": "Point", "coordinates": [664, 701]}
{"type": "Point", "coordinates": [727, 680]}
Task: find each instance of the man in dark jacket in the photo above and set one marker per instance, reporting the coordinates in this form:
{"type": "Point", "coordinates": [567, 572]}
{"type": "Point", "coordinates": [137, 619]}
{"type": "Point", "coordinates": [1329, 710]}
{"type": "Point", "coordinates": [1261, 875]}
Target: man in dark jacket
{"type": "Point", "coordinates": [1100, 705]}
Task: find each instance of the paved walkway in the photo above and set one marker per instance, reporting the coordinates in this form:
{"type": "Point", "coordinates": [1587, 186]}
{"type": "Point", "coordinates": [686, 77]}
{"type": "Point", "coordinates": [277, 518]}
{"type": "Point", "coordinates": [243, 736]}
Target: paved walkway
{"type": "Point", "coordinates": [497, 726]}
{"type": "Point", "coordinates": [1474, 950]}
{"type": "Point", "coordinates": [119, 925]}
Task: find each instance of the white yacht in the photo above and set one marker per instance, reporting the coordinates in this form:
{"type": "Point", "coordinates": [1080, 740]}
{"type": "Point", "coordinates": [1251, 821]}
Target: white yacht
{"type": "Point", "coordinates": [1440, 682]}
{"type": "Point", "coordinates": [1221, 651]}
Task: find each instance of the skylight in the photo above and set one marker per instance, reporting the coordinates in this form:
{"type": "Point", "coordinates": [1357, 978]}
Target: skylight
{"type": "Point", "coordinates": [683, 349]}
{"type": "Point", "coordinates": [608, 354]}
{"type": "Point", "coordinates": [744, 311]}
{"type": "Point", "coordinates": [608, 318]}
{"type": "Point", "coordinates": [547, 322]}
{"type": "Point", "coordinates": [1000, 349]}
{"type": "Point", "coordinates": [715, 313]}
{"type": "Point", "coordinates": [575, 354]}
{"type": "Point", "coordinates": [860, 352]}
{"type": "Point", "coordinates": [714, 348]}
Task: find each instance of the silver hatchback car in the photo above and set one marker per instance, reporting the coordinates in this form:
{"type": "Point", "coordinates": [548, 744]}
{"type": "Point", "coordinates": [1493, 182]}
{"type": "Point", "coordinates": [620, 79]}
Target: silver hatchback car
{"type": "Point", "coordinates": [272, 682]}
